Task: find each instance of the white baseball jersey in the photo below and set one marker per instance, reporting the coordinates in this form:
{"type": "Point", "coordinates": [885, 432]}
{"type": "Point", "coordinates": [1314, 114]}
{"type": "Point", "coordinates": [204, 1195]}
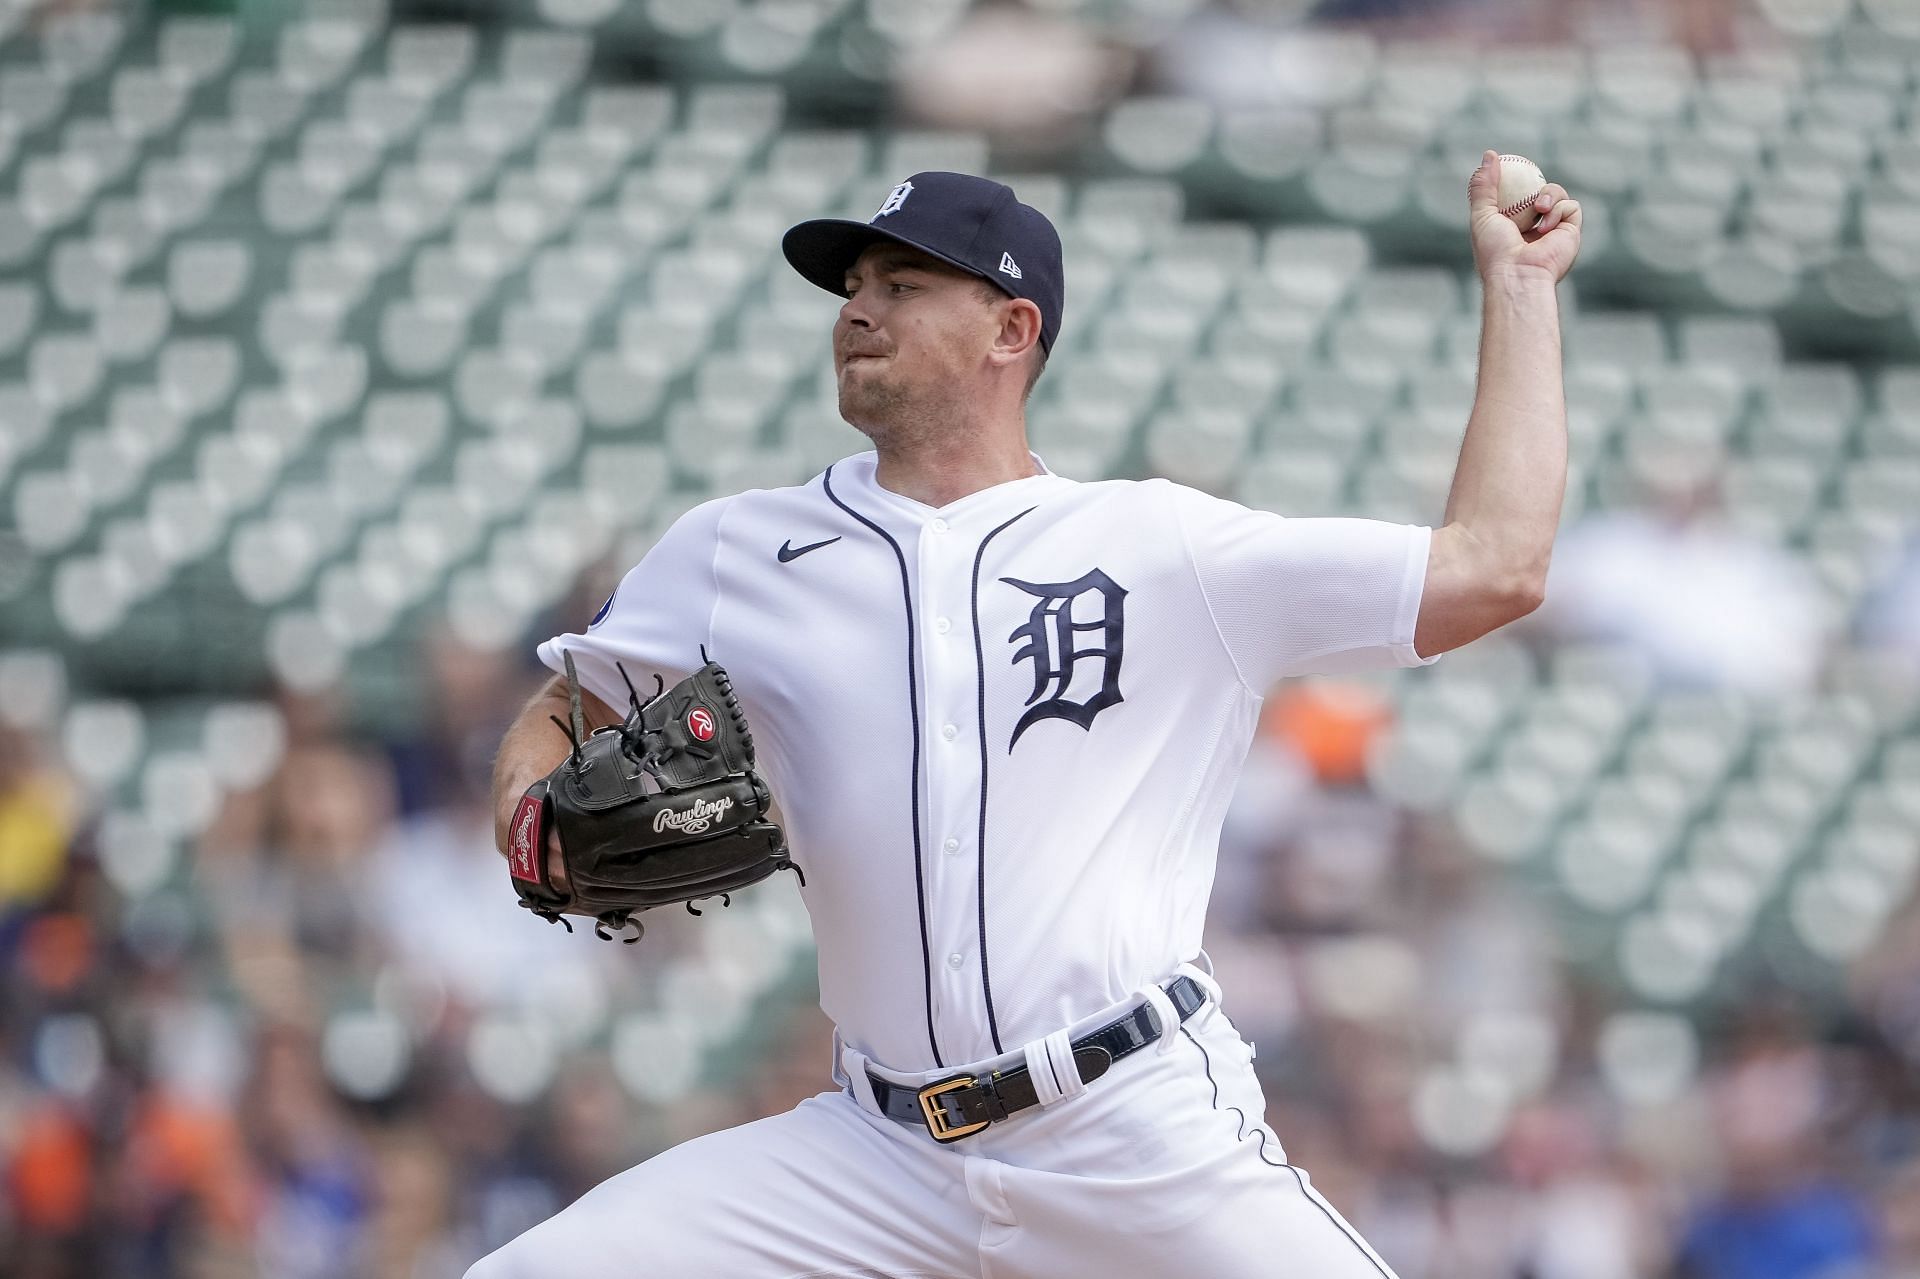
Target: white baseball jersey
{"type": "Point", "coordinates": [1002, 733]}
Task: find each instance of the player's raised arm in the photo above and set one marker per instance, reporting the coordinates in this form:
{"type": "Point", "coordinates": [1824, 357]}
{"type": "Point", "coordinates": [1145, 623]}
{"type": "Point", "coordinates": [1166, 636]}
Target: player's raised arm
{"type": "Point", "coordinates": [1488, 562]}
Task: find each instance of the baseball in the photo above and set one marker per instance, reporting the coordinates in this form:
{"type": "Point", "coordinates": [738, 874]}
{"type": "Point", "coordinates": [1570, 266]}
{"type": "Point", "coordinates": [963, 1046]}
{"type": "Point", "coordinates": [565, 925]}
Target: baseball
{"type": "Point", "coordinates": [1520, 181]}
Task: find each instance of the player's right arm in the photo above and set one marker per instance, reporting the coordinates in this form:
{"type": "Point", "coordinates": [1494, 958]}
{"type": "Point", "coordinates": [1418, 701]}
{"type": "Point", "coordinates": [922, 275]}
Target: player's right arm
{"type": "Point", "coordinates": [534, 747]}
{"type": "Point", "coordinates": [1487, 565]}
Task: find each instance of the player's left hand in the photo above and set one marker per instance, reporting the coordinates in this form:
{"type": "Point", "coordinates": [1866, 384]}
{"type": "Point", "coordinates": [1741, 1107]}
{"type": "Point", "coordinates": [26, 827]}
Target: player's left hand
{"type": "Point", "coordinates": [1500, 247]}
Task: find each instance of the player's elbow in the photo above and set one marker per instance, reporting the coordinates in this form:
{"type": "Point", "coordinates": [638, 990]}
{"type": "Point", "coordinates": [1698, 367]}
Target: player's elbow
{"type": "Point", "coordinates": [1523, 593]}
{"type": "Point", "coordinates": [1471, 590]}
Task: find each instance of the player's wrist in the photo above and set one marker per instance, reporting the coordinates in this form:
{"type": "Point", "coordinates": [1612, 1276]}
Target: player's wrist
{"type": "Point", "coordinates": [1519, 280]}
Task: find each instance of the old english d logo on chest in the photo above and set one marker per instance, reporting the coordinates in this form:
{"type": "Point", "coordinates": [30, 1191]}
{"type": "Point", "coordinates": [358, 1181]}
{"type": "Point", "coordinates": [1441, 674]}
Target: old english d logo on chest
{"type": "Point", "coordinates": [1057, 645]}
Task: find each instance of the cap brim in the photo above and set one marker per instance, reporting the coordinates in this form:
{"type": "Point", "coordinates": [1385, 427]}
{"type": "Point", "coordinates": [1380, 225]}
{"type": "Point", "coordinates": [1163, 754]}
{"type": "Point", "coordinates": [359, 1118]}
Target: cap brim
{"type": "Point", "coordinates": [824, 249]}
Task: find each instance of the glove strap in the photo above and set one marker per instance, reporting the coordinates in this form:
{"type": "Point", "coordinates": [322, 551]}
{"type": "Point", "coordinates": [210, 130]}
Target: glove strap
{"type": "Point", "coordinates": [527, 854]}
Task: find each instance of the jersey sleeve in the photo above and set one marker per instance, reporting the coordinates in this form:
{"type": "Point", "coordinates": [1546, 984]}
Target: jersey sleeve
{"type": "Point", "coordinates": [657, 617]}
{"type": "Point", "coordinates": [1305, 596]}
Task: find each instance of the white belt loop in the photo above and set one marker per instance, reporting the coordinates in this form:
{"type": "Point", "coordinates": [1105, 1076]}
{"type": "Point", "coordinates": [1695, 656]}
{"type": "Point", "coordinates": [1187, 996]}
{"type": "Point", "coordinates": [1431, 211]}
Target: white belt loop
{"type": "Point", "coordinates": [852, 1063]}
{"type": "Point", "coordinates": [1055, 1074]}
{"type": "Point", "coordinates": [838, 1071]}
{"type": "Point", "coordinates": [1169, 1018]}
{"type": "Point", "coordinates": [1203, 977]}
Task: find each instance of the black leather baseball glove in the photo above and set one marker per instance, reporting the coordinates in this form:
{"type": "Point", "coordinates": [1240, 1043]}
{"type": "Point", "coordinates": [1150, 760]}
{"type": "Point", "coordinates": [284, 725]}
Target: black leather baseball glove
{"type": "Point", "coordinates": [665, 808]}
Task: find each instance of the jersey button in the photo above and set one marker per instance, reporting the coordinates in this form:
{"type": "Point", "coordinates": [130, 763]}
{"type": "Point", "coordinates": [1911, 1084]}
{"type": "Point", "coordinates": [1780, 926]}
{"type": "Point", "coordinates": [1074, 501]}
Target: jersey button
{"type": "Point", "coordinates": [952, 845]}
{"type": "Point", "coordinates": [942, 625]}
{"type": "Point", "coordinates": [938, 526]}
{"type": "Point", "coordinates": [955, 960]}
{"type": "Point", "coordinates": [949, 732]}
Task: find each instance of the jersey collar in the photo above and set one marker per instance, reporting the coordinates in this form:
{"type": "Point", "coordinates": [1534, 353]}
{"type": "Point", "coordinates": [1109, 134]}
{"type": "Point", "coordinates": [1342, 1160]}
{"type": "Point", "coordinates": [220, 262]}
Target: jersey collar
{"type": "Point", "coordinates": [862, 468]}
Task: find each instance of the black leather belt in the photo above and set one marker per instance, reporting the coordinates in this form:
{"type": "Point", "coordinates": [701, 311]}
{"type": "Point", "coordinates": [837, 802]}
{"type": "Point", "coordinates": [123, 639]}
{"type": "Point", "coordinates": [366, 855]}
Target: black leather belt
{"type": "Point", "coordinates": [953, 1108]}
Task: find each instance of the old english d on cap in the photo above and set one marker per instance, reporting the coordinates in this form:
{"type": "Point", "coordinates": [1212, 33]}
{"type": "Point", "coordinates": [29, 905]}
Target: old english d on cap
{"type": "Point", "coordinates": [972, 223]}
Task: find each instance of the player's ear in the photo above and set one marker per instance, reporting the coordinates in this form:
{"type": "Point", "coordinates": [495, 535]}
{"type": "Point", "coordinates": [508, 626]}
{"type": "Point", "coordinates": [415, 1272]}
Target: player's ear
{"type": "Point", "coordinates": [1019, 331]}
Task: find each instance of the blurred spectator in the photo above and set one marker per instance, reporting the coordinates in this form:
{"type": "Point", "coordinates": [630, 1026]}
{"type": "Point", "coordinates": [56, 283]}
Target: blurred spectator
{"type": "Point", "coordinates": [1782, 1212]}
{"type": "Point", "coordinates": [1890, 615]}
{"type": "Point", "coordinates": [1708, 607]}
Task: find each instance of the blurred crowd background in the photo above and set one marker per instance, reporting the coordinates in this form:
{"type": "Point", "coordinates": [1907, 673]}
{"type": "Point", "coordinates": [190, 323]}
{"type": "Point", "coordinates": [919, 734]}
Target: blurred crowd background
{"type": "Point", "coordinates": [348, 349]}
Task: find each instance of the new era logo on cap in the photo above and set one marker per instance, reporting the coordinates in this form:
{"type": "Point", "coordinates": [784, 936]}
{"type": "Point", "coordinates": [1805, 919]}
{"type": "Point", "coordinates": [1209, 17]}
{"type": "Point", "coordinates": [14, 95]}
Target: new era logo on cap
{"type": "Point", "coordinates": [955, 217]}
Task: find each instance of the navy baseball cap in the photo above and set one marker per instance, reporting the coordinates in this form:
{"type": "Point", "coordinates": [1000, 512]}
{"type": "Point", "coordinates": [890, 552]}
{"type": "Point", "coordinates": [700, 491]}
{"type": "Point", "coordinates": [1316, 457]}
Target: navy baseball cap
{"type": "Point", "coordinates": [972, 223]}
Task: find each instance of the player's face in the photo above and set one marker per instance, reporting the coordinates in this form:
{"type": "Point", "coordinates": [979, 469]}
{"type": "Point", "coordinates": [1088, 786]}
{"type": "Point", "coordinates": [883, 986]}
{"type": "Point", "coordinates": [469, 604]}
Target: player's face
{"type": "Point", "coordinates": [911, 340]}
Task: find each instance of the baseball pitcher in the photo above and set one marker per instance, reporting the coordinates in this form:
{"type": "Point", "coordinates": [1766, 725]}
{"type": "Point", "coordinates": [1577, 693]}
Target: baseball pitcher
{"type": "Point", "coordinates": [1003, 712]}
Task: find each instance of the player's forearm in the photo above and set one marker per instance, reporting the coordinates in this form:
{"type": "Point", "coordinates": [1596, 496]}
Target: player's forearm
{"type": "Point", "coordinates": [531, 749]}
{"type": "Point", "coordinates": [1512, 474]}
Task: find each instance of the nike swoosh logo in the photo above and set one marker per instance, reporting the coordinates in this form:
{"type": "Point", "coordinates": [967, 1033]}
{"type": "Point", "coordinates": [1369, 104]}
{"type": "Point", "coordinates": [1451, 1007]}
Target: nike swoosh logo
{"type": "Point", "coordinates": [788, 552]}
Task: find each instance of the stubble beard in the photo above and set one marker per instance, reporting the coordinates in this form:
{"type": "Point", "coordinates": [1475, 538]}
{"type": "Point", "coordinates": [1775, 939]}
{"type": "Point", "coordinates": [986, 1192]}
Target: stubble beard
{"type": "Point", "coordinates": [890, 415]}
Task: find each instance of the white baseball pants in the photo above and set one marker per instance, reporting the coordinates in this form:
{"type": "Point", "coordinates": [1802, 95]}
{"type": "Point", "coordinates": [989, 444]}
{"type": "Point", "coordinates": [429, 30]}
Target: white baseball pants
{"type": "Point", "coordinates": [1159, 1168]}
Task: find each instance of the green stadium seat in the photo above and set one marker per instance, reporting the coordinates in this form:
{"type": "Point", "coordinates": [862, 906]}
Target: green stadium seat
{"type": "Point", "coordinates": [19, 313]}
{"type": "Point", "coordinates": [65, 369]}
{"type": "Point", "coordinates": [430, 57]}
{"type": "Point", "coordinates": [1308, 479]}
{"type": "Point", "coordinates": [446, 281]}
{"type": "Point", "coordinates": [1747, 348]}
{"type": "Point", "coordinates": [623, 482]}
{"type": "Point", "coordinates": [1654, 83]}
{"type": "Point", "coordinates": [205, 278]}
{"type": "Point", "coordinates": [100, 148]}
{"type": "Point", "coordinates": [51, 509]}
{"type": "Point", "coordinates": [552, 60]}
{"type": "Point", "coordinates": [1269, 144]}
{"type": "Point", "coordinates": [1753, 272]}
{"type": "Point", "coordinates": [175, 194]}
{"type": "Point", "coordinates": [1152, 134]}
{"type": "Point", "coordinates": [1630, 341]}
{"type": "Point", "coordinates": [238, 470]}
{"type": "Point", "coordinates": [193, 50]}
{"type": "Point", "coordinates": [1382, 344]}
{"type": "Point", "coordinates": [263, 107]}
{"type": "Point", "coordinates": [1538, 82]}
{"type": "Point", "coordinates": [1200, 447]}
{"type": "Point", "coordinates": [1428, 75]}
{"type": "Point", "coordinates": [1711, 147]}
{"type": "Point", "coordinates": [77, 277]}
{"type": "Point", "coordinates": [131, 323]}
{"type": "Point", "coordinates": [1809, 409]}
{"type": "Point", "coordinates": [616, 394]}
{"type": "Point", "coordinates": [316, 53]}
{"type": "Point", "coordinates": [1771, 497]}
{"type": "Point", "coordinates": [144, 102]}
{"type": "Point", "coordinates": [1884, 485]}
{"type": "Point", "coordinates": [290, 203]}
{"type": "Point", "coordinates": [31, 98]}
{"type": "Point", "coordinates": [1588, 158]}
{"type": "Point", "coordinates": [907, 151]}
{"type": "Point", "coordinates": [52, 193]}
{"type": "Point", "coordinates": [500, 118]}
{"type": "Point", "coordinates": [80, 44]}
{"type": "Point", "coordinates": [1332, 405]}
{"type": "Point", "coordinates": [1316, 266]}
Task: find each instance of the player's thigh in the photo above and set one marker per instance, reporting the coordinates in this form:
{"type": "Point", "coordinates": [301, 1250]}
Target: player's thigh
{"type": "Point", "coordinates": [816, 1191]}
{"type": "Point", "coordinates": [1207, 1189]}
{"type": "Point", "coordinates": [1255, 1224]}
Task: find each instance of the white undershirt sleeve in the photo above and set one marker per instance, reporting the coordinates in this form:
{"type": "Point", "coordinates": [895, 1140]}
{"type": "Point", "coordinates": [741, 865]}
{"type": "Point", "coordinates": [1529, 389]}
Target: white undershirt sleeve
{"type": "Point", "coordinates": [1305, 596]}
{"type": "Point", "coordinates": [657, 619]}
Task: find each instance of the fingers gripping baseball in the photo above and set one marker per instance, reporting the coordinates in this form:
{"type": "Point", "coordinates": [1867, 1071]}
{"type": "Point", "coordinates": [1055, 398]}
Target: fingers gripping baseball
{"type": "Point", "coordinates": [1514, 234]}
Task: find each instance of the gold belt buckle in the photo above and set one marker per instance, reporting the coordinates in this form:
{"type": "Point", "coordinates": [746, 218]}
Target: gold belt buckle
{"type": "Point", "coordinates": [937, 1115]}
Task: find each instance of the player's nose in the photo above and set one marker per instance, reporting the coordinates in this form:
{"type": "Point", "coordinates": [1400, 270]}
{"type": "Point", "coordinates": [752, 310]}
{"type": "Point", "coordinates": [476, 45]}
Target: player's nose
{"type": "Point", "coordinates": [854, 312]}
